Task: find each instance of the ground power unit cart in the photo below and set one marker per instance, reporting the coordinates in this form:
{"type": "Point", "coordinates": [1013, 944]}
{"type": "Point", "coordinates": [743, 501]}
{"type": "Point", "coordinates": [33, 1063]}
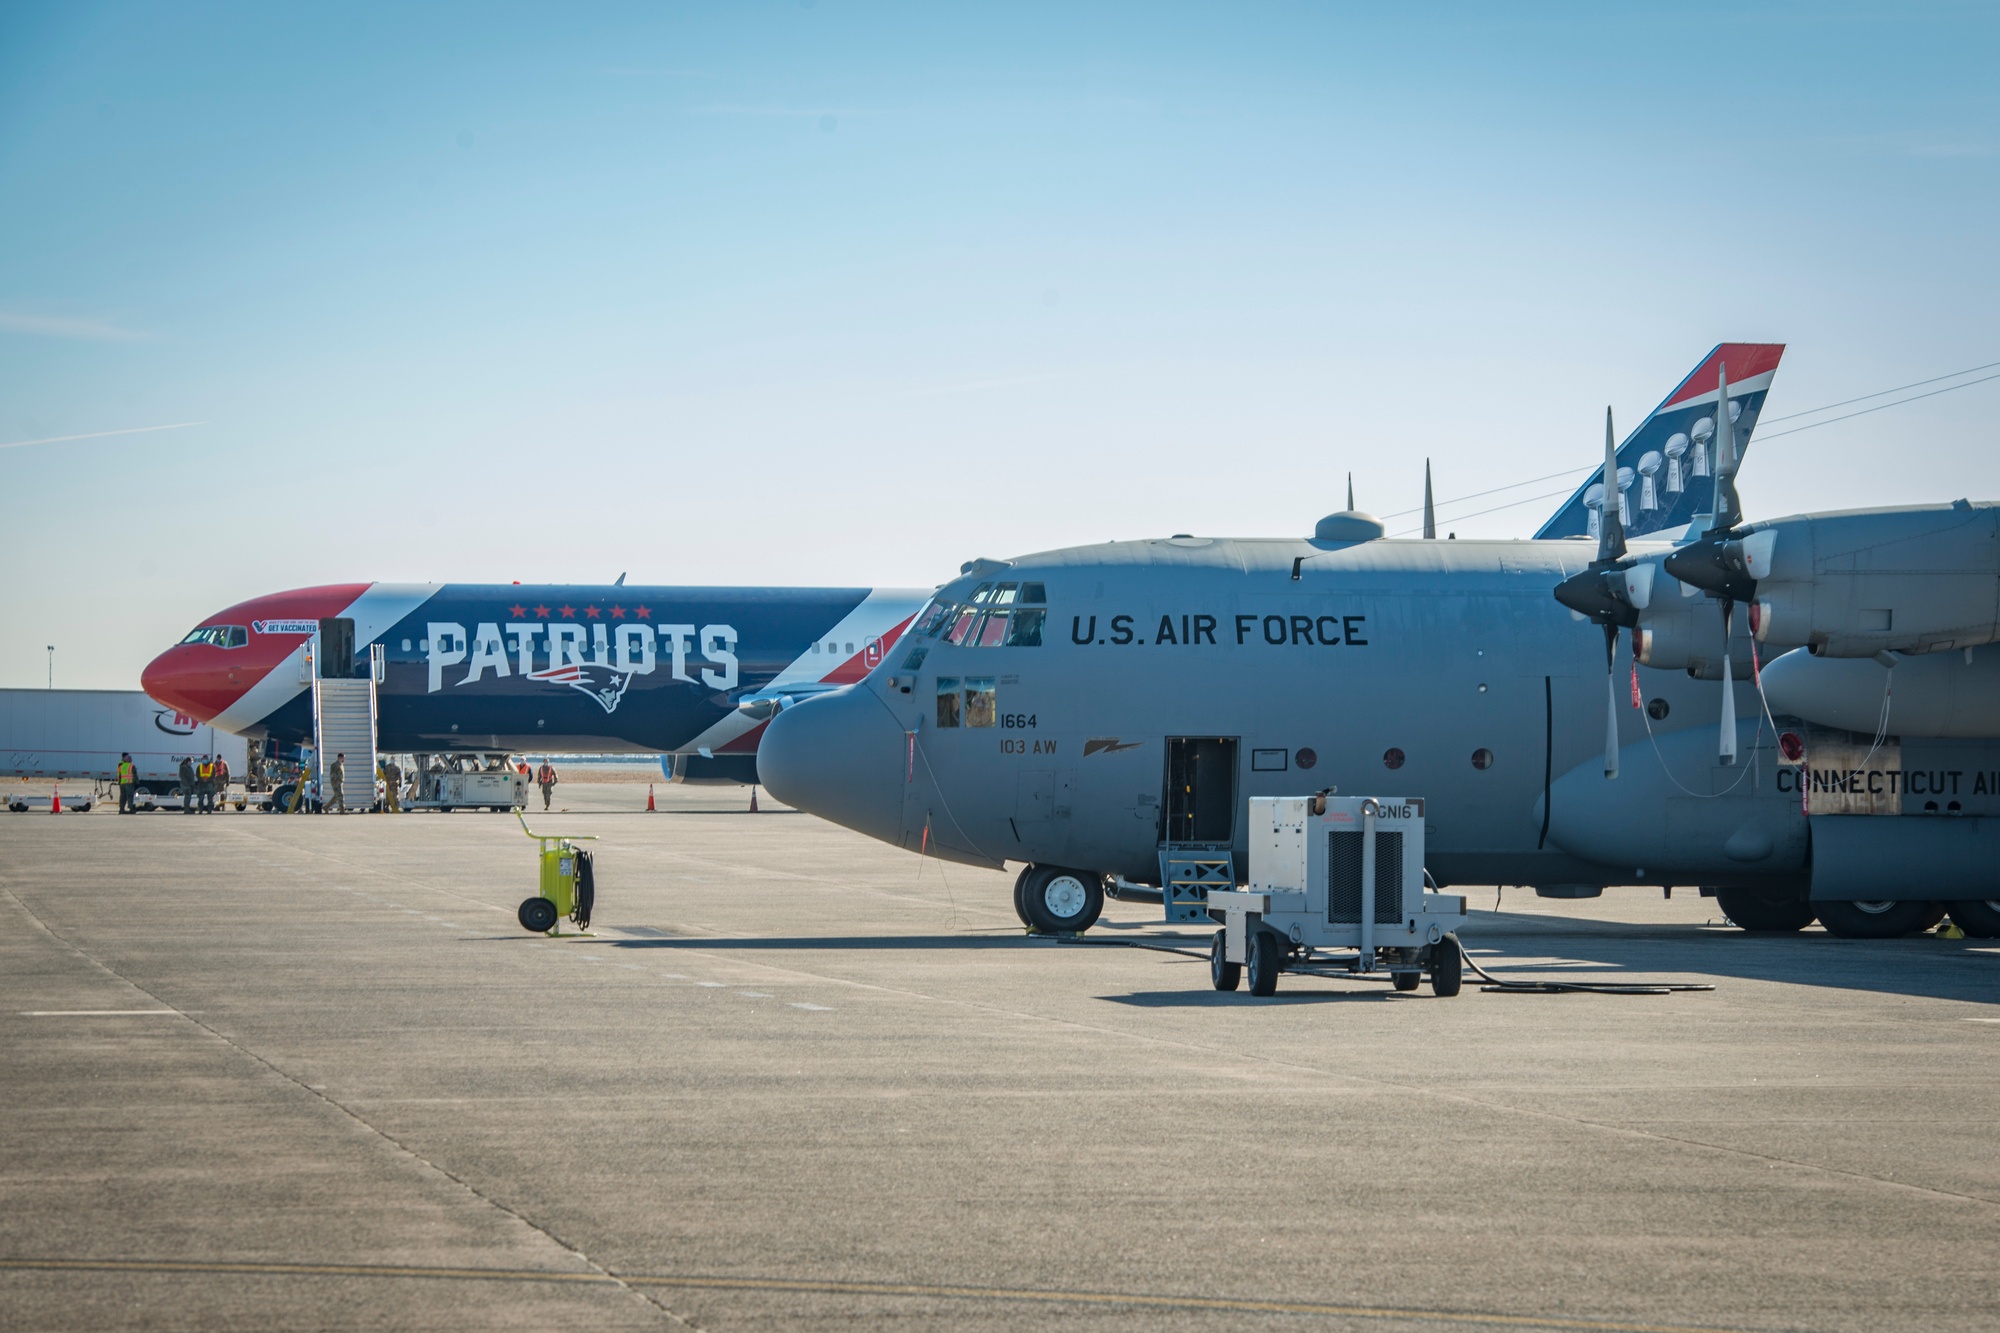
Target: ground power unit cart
{"type": "Point", "coordinates": [1336, 888]}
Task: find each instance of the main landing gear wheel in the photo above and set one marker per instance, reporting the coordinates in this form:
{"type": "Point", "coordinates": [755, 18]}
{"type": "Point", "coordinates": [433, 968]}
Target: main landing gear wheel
{"type": "Point", "coordinates": [537, 915]}
{"type": "Point", "coordinates": [1981, 920]}
{"type": "Point", "coordinates": [1225, 974]}
{"type": "Point", "coordinates": [1447, 967]}
{"type": "Point", "coordinates": [1875, 920]}
{"type": "Point", "coordinates": [1267, 959]}
{"type": "Point", "coordinates": [1061, 902]}
{"type": "Point", "coordinates": [1765, 911]}
{"type": "Point", "coordinates": [1020, 892]}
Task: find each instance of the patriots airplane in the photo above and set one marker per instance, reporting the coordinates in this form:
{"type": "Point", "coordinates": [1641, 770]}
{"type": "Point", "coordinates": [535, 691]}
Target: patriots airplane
{"type": "Point", "coordinates": [689, 673]}
{"type": "Point", "coordinates": [1733, 729]}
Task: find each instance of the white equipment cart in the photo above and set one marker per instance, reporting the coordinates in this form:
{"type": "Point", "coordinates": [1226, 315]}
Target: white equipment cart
{"type": "Point", "coordinates": [1336, 888]}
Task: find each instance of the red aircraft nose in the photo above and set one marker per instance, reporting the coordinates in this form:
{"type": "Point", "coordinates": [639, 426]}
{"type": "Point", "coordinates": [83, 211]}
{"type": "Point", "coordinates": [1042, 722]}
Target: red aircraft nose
{"type": "Point", "coordinates": [209, 672]}
{"type": "Point", "coordinates": [195, 679]}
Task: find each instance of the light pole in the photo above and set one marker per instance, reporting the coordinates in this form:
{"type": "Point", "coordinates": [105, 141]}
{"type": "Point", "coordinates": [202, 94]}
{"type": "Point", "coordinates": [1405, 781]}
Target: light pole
{"type": "Point", "coordinates": [52, 666]}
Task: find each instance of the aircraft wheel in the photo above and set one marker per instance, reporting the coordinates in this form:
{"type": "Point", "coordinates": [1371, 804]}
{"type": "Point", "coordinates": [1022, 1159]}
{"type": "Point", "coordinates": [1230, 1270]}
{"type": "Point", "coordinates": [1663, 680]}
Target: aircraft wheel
{"type": "Point", "coordinates": [1765, 911]}
{"type": "Point", "coordinates": [1981, 920]}
{"type": "Point", "coordinates": [1225, 974]}
{"type": "Point", "coordinates": [1406, 980]}
{"type": "Point", "coordinates": [1062, 902]}
{"type": "Point", "coordinates": [1020, 895]}
{"type": "Point", "coordinates": [1267, 959]}
{"type": "Point", "coordinates": [1447, 967]}
{"type": "Point", "coordinates": [1874, 920]}
{"type": "Point", "coordinates": [537, 915]}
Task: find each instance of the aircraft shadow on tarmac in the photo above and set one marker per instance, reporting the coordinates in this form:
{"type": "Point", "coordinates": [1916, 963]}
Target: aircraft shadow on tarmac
{"type": "Point", "coordinates": [1527, 948]}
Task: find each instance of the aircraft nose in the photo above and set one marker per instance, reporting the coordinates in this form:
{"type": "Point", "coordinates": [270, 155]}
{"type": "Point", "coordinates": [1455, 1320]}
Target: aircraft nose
{"type": "Point", "coordinates": [186, 684]}
{"type": "Point", "coordinates": [839, 756]}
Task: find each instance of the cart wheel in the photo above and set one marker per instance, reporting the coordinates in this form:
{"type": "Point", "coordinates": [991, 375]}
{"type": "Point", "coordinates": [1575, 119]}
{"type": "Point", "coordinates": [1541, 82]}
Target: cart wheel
{"type": "Point", "coordinates": [1221, 971]}
{"type": "Point", "coordinates": [1447, 967]}
{"type": "Point", "coordinates": [1406, 980]}
{"type": "Point", "coordinates": [538, 915]}
{"type": "Point", "coordinates": [1267, 959]}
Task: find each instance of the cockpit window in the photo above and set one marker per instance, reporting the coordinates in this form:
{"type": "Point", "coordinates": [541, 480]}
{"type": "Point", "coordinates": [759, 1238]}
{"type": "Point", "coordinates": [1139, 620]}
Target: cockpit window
{"type": "Point", "coordinates": [947, 701]}
{"type": "Point", "coordinates": [219, 636]}
{"type": "Point", "coordinates": [995, 615]}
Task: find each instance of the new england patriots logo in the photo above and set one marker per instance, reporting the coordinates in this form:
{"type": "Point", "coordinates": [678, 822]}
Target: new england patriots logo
{"type": "Point", "coordinates": [600, 682]}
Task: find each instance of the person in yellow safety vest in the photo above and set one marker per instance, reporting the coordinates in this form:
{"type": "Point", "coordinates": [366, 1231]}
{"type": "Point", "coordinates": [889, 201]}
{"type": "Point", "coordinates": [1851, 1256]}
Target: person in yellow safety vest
{"type": "Point", "coordinates": [128, 783]}
{"type": "Point", "coordinates": [545, 778]}
{"type": "Point", "coordinates": [204, 786]}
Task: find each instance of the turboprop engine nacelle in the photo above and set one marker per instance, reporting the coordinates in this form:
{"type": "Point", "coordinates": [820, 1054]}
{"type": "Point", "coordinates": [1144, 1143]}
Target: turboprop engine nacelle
{"type": "Point", "coordinates": [1855, 584]}
{"type": "Point", "coordinates": [1679, 629]}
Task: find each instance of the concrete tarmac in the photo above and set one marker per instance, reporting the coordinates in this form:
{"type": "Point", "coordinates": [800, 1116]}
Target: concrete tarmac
{"type": "Point", "coordinates": [294, 1072]}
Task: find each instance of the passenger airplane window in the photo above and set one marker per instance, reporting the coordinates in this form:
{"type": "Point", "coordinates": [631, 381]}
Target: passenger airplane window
{"type": "Point", "coordinates": [947, 701]}
{"type": "Point", "coordinates": [979, 709]}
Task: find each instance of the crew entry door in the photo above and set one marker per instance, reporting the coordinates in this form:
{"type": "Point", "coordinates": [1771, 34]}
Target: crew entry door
{"type": "Point", "coordinates": [1198, 816]}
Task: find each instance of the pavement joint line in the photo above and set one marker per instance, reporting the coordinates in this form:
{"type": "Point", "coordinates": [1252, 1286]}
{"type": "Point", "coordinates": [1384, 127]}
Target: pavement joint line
{"type": "Point", "coordinates": [827, 1287]}
{"type": "Point", "coordinates": [320, 1095]}
{"type": "Point", "coordinates": [97, 1013]}
{"type": "Point", "coordinates": [1229, 1053]}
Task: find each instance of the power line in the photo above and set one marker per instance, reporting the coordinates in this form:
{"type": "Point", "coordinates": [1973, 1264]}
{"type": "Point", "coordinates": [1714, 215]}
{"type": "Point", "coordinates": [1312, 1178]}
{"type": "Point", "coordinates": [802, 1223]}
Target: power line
{"type": "Point", "coordinates": [1880, 407]}
{"type": "Point", "coordinates": [1935, 379]}
{"type": "Point", "coordinates": [1789, 416]}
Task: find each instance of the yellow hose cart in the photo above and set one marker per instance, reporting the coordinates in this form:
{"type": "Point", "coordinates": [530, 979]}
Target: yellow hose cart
{"type": "Point", "coordinates": [568, 885]}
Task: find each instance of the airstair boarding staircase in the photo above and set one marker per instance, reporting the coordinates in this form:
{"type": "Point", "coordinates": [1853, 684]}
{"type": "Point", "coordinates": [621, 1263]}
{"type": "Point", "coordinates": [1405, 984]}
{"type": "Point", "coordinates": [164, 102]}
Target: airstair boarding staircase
{"type": "Point", "coordinates": [344, 723]}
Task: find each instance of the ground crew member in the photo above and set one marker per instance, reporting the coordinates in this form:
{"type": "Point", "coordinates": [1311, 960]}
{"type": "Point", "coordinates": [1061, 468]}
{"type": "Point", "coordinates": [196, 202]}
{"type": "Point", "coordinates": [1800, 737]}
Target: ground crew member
{"type": "Point", "coordinates": [204, 785]}
{"type": "Point", "coordinates": [128, 784]}
{"type": "Point", "coordinates": [336, 781]}
{"type": "Point", "coordinates": [545, 778]}
{"type": "Point", "coordinates": [392, 782]}
{"type": "Point", "coordinates": [221, 781]}
{"type": "Point", "coordinates": [187, 785]}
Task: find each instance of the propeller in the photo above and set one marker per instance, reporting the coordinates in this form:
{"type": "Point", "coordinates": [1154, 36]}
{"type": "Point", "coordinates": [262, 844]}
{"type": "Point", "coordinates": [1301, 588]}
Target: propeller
{"type": "Point", "coordinates": [1598, 593]}
{"type": "Point", "coordinates": [1717, 563]}
{"type": "Point", "coordinates": [1430, 510]}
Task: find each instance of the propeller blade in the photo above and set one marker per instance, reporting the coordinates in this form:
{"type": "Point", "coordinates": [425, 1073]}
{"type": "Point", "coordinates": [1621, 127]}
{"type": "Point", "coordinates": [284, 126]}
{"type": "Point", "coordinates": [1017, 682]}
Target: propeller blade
{"type": "Point", "coordinates": [1728, 506]}
{"type": "Point", "coordinates": [1610, 532]}
{"type": "Point", "coordinates": [1430, 511]}
{"type": "Point", "coordinates": [1350, 492]}
{"type": "Point", "coordinates": [1726, 751]}
{"type": "Point", "coordinates": [1611, 701]}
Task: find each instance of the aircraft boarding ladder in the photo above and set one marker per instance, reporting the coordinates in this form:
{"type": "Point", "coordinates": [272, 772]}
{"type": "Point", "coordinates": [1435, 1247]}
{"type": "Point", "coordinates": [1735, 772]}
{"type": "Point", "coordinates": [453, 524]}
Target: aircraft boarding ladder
{"type": "Point", "coordinates": [344, 723]}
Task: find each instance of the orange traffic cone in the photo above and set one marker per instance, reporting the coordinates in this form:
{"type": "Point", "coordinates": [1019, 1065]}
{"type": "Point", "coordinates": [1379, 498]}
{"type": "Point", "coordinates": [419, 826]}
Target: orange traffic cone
{"type": "Point", "coordinates": [55, 801]}
{"type": "Point", "coordinates": [650, 807]}
{"type": "Point", "coordinates": [753, 800]}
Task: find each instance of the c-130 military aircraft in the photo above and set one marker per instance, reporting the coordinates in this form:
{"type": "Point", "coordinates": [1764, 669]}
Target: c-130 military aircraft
{"type": "Point", "coordinates": [1810, 727]}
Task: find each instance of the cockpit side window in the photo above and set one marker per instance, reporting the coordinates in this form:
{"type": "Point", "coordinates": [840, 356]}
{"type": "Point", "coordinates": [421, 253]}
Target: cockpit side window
{"type": "Point", "coordinates": [947, 701]}
{"type": "Point", "coordinates": [219, 636]}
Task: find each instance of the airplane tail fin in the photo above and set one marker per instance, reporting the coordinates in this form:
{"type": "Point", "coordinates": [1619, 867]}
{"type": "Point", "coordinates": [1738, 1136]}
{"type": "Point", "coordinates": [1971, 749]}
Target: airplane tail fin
{"type": "Point", "coordinates": [1666, 467]}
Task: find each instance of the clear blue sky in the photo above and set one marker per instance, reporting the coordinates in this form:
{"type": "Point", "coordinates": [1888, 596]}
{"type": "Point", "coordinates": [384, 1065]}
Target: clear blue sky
{"type": "Point", "coordinates": [843, 293]}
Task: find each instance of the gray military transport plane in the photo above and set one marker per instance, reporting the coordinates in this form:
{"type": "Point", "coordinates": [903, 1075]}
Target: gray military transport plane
{"type": "Point", "coordinates": [1811, 727]}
